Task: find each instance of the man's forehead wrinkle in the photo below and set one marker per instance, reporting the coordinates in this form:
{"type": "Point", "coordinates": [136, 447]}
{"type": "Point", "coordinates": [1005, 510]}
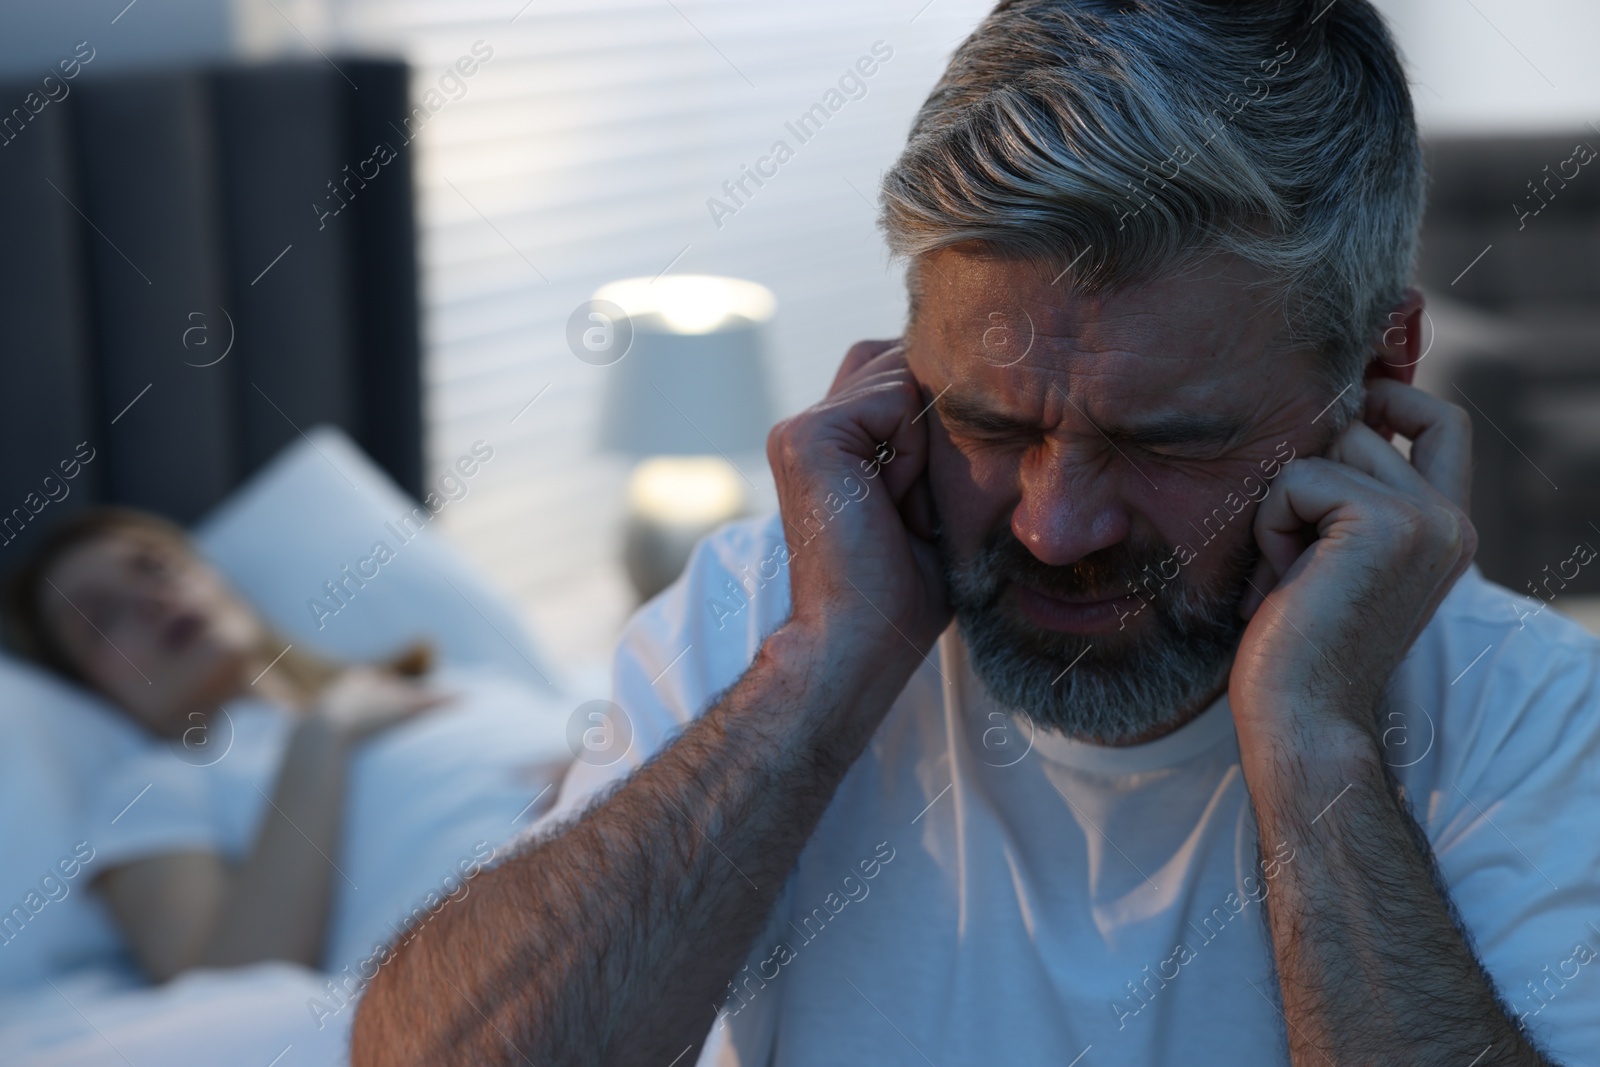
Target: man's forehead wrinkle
{"type": "Point", "coordinates": [1178, 344]}
{"type": "Point", "coordinates": [977, 278]}
{"type": "Point", "coordinates": [1120, 350]}
{"type": "Point", "coordinates": [1127, 404]}
{"type": "Point", "coordinates": [1146, 332]}
{"type": "Point", "coordinates": [1157, 374]}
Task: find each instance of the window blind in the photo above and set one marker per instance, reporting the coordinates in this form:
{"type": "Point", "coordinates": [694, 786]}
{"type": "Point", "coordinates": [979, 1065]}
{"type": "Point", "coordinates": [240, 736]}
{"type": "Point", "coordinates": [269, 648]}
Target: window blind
{"type": "Point", "coordinates": [592, 142]}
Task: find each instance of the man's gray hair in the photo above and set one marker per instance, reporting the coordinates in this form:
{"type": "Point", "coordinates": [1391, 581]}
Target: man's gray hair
{"type": "Point", "coordinates": [1130, 138]}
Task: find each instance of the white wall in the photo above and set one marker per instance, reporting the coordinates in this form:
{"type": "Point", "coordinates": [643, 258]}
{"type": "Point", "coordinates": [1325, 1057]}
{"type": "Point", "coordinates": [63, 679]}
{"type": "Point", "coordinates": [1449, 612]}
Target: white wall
{"type": "Point", "coordinates": [584, 152]}
{"type": "Point", "coordinates": [1500, 64]}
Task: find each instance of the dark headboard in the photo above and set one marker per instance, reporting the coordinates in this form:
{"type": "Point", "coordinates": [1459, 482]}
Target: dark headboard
{"type": "Point", "coordinates": [151, 220]}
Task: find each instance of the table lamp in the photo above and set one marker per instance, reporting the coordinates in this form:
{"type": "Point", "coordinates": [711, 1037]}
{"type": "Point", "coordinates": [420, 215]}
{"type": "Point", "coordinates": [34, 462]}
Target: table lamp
{"type": "Point", "coordinates": [690, 391]}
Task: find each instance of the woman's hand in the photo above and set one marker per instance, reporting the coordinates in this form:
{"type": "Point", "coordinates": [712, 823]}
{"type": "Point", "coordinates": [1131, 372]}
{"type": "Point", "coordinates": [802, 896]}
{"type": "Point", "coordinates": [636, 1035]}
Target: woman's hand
{"type": "Point", "coordinates": [363, 701]}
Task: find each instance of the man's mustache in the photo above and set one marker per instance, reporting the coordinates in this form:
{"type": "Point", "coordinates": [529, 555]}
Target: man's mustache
{"type": "Point", "coordinates": [1105, 573]}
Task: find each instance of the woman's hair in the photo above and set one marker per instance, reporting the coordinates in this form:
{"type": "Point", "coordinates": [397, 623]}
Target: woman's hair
{"type": "Point", "coordinates": [1122, 138]}
{"type": "Point", "coordinates": [29, 632]}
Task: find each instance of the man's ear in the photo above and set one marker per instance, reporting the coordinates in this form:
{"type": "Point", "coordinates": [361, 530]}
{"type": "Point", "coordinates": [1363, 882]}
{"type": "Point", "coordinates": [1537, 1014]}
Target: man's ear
{"type": "Point", "coordinates": [1398, 351]}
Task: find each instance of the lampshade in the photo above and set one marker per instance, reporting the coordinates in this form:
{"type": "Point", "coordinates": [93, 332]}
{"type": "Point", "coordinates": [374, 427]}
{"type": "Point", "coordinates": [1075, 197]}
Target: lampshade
{"type": "Point", "coordinates": [694, 380]}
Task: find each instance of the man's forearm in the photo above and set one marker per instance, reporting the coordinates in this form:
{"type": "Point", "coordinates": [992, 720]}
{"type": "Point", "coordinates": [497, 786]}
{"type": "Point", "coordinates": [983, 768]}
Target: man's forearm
{"type": "Point", "coordinates": [1371, 965]}
{"type": "Point", "coordinates": [611, 942]}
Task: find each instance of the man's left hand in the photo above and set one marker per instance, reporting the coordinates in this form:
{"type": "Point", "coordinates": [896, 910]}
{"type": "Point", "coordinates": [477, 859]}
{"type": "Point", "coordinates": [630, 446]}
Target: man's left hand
{"type": "Point", "coordinates": [1358, 548]}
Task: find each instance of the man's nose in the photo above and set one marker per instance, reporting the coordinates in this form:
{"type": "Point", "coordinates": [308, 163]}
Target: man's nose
{"type": "Point", "coordinates": [1070, 507]}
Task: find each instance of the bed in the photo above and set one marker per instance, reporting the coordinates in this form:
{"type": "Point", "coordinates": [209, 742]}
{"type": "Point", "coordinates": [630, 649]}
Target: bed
{"type": "Point", "coordinates": [427, 800]}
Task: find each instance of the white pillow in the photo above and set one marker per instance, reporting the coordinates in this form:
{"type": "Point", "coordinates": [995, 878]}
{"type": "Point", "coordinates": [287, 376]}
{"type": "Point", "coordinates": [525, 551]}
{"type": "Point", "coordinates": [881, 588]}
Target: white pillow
{"type": "Point", "coordinates": [314, 516]}
{"type": "Point", "coordinates": [57, 739]}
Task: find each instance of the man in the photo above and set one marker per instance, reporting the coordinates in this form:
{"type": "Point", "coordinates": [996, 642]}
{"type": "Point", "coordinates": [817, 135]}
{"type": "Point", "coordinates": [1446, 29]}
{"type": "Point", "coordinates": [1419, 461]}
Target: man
{"type": "Point", "coordinates": [1228, 756]}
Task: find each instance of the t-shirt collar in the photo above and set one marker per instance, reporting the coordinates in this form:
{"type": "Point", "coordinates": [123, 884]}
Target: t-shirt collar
{"type": "Point", "coordinates": [1211, 727]}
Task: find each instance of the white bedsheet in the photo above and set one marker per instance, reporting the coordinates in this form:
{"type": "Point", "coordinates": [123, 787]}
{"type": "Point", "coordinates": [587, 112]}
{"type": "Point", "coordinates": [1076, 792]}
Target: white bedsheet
{"type": "Point", "coordinates": [243, 1017]}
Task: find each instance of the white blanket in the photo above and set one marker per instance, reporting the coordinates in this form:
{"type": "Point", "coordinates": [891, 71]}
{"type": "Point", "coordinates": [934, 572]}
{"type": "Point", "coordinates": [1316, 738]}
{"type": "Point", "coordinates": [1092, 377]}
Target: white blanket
{"type": "Point", "coordinates": [429, 801]}
{"type": "Point", "coordinates": [244, 1016]}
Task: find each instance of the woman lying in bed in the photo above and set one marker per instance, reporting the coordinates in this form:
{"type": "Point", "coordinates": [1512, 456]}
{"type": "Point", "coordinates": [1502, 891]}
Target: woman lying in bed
{"type": "Point", "coordinates": [224, 850]}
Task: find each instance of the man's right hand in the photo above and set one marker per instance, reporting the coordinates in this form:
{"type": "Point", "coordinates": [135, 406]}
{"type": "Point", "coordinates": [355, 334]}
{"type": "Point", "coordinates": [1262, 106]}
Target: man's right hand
{"type": "Point", "coordinates": [865, 577]}
{"type": "Point", "coordinates": [557, 955]}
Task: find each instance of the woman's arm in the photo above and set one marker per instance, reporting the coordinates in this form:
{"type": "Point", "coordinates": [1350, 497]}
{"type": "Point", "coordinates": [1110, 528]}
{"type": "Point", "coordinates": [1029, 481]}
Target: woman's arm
{"type": "Point", "coordinates": [191, 909]}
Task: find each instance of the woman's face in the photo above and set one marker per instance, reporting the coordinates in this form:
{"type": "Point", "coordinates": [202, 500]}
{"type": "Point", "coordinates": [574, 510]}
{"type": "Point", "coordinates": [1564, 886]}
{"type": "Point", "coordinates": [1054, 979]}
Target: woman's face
{"type": "Point", "coordinates": [151, 625]}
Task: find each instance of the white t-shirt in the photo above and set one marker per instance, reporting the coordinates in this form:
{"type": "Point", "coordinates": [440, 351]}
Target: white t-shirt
{"type": "Point", "coordinates": [979, 892]}
{"type": "Point", "coordinates": [427, 800]}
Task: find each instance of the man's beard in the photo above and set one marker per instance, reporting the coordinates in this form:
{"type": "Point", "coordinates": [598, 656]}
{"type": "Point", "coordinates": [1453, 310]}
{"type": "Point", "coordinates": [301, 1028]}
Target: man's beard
{"type": "Point", "coordinates": [1119, 688]}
